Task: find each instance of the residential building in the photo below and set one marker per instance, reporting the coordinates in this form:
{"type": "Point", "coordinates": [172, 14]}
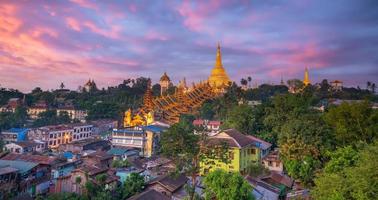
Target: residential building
{"type": "Point", "coordinates": [145, 138]}
{"type": "Point", "coordinates": [8, 181]}
{"type": "Point", "coordinates": [149, 195]}
{"type": "Point", "coordinates": [72, 112]}
{"type": "Point", "coordinates": [103, 126]}
{"type": "Point", "coordinates": [79, 146]}
{"type": "Point", "coordinates": [54, 135]}
{"type": "Point", "coordinates": [33, 176]}
{"type": "Point", "coordinates": [25, 147]}
{"type": "Point", "coordinates": [170, 186]}
{"type": "Point", "coordinates": [263, 145]}
{"type": "Point", "coordinates": [123, 153]}
{"type": "Point", "coordinates": [11, 106]}
{"type": "Point", "coordinates": [81, 131]}
{"type": "Point", "coordinates": [273, 162]}
{"type": "Point", "coordinates": [210, 126]}
{"type": "Point", "coordinates": [243, 151]}
{"type": "Point", "coordinates": [38, 108]}
{"type": "Point", "coordinates": [337, 85]}
{"type": "Point", "coordinates": [14, 135]}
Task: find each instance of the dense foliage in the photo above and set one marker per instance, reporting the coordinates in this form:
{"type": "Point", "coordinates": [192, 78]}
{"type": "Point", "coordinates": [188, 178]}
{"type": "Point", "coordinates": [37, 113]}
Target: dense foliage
{"type": "Point", "coordinates": [222, 185]}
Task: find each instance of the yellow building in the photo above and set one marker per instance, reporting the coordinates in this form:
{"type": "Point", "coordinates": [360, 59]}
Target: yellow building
{"type": "Point", "coordinates": [243, 151]}
{"type": "Point", "coordinates": [218, 78]}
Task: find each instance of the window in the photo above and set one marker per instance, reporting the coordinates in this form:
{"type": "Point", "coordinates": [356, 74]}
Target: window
{"type": "Point", "coordinates": [253, 151]}
{"type": "Point", "coordinates": [270, 163]}
{"type": "Point", "coordinates": [50, 142]}
{"type": "Point", "coordinates": [54, 142]}
{"type": "Point", "coordinates": [231, 155]}
{"type": "Point", "coordinates": [277, 164]}
{"type": "Point", "coordinates": [58, 141]}
{"type": "Point", "coordinates": [51, 135]}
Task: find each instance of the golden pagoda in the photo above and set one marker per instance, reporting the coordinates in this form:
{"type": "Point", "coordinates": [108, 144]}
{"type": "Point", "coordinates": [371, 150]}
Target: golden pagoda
{"type": "Point", "coordinates": [306, 80]}
{"type": "Point", "coordinates": [186, 100]}
{"type": "Point", "coordinates": [218, 77]}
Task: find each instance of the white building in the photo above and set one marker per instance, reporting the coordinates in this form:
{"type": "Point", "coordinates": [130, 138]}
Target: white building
{"type": "Point", "coordinates": [25, 147]}
{"type": "Point", "coordinates": [72, 112]}
{"type": "Point", "coordinates": [61, 134]}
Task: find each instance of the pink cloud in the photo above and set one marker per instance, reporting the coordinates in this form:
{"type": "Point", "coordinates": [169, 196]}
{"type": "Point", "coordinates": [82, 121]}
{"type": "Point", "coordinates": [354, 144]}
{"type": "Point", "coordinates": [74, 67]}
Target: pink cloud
{"type": "Point", "coordinates": [85, 4]}
{"type": "Point", "coordinates": [73, 23]}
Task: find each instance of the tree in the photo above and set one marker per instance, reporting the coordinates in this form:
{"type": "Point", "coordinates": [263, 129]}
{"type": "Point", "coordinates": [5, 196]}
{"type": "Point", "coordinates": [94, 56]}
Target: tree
{"type": "Point", "coordinates": [353, 122]}
{"type": "Point", "coordinates": [357, 181]}
{"type": "Point", "coordinates": [187, 150]}
{"type": "Point", "coordinates": [240, 118]}
{"type": "Point", "coordinates": [207, 110]}
{"type": "Point", "coordinates": [341, 158]}
{"type": "Point", "coordinates": [222, 185]}
{"type": "Point", "coordinates": [133, 184]}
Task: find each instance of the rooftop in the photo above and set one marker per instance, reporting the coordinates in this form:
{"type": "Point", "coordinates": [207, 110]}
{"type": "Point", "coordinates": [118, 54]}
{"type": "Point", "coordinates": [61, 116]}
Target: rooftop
{"type": "Point", "coordinates": [22, 166]}
{"type": "Point", "coordinates": [262, 144]}
{"type": "Point", "coordinates": [149, 195]}
{"type": "Point", "coordinates": [46, 160]}
{"type": "Point", "coordinates": [233, 138]}
{"type": "Point", "coordinates": [26, 143]}
{"type": "Point", "coordinates": [17, 130]}
{"type": "Point", "coordinates": [7, 170]}
{"type": "Point", "coordinates": [171, 183]}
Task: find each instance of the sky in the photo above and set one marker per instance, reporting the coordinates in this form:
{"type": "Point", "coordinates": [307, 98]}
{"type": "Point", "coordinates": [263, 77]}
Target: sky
{"type": "Point", "coordinates": [44, 43]}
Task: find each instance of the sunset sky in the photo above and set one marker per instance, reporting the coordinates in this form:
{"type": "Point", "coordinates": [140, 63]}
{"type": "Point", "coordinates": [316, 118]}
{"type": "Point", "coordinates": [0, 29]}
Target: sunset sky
{"type": "Point", "coordinates": [43, 43]}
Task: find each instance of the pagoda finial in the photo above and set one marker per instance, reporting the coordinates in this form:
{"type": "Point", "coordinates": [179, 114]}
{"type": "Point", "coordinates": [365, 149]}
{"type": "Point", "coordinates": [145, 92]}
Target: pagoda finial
{"type": "Point", "coordinates": [218, 61]}
{"type": "Point", "coordinates": [306, 80]}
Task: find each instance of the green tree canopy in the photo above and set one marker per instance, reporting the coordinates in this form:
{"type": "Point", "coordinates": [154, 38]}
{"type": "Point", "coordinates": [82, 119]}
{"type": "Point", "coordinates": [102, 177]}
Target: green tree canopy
{"type": "Point", "coordinates": [222, 185]}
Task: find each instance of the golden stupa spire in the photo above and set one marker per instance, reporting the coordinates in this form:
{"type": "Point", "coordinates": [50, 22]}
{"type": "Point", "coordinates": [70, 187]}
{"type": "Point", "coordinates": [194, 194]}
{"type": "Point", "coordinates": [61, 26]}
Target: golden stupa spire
{"type": "Point", "coordinates": [218, 60]}
{"type": "Point", "coordinates": [306, 80]}
{"type": "Point", "coordinates": [218, 76]}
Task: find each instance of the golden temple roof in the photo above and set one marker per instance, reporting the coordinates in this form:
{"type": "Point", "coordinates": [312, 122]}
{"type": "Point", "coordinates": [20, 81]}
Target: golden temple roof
{"type": "Point", "coordinates": [165, 77]}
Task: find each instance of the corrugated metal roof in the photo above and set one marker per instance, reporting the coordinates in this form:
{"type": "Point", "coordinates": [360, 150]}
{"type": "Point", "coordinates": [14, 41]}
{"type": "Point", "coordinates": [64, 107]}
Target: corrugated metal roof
{"type": "Point", "coordinates": [20, 165]}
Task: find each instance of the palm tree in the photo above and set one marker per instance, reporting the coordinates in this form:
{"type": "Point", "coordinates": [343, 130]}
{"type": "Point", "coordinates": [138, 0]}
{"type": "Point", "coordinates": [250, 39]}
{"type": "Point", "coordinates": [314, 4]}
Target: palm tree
{"type": "Point", "coordinates": [373, 87]}
{"type": "Point", "coordinates": [368, 85]}
{"type": "Point", "coordinates": [249, 81]}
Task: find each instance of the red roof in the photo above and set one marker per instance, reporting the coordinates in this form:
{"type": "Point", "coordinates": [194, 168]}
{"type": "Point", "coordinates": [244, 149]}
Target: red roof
{"type": "Point", "coordinates": [46, 160]}
{"type": "Point", "coordinates": [214, 123]}
{"type": "Point", "coordinates": [198, 122]}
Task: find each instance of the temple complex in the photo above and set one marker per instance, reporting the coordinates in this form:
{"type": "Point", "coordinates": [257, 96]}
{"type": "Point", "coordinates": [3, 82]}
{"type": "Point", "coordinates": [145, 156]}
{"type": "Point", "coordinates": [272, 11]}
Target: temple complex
{"type": "Point", "coordinates": [185, 100]}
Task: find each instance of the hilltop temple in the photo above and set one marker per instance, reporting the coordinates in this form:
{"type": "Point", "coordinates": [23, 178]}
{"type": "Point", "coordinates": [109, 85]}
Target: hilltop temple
{"type": "Point", "coordinates": [185, 100]}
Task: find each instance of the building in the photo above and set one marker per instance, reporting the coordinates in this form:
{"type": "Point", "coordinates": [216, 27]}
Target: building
{"type": "Point", "coordinates": [123, 153]}
{"type": "Point", "coordinates": [12, 104]}
{"type": "Point", "coordinates": [149, 195]}
{"type": "Point", "coordinates": [243, 151]}
{"type": "Point", "coordinates": [145, 138]}
{"type": "Point", "coordinates": [170, 186]}
{"type": "Point", "coordinates": [263, 145]}
{"type": "Point", "coordinates": [25, 147]}
{"type": "Point", "coordinates": [56, 135]}
{"type": "Point", "coordinates": [14, 135]}
{"type": "Point", "coordinates": [210, 126]}
{"type": "Point", "coordinates": [337, 85]}
{"type": "Point", "coordinates": [306, 80]}
{"type": "Point", "coordinates": [89, 86]}
{"type": "Point", "coordinates": [165, 82]}
{"type": "Point", "coordinates": [73, 113]}
{"type": "Point", "coordinates": [8, 181]}
{"type": "Point", "coordinates": [79, 146]}
{"type": "Point", "coordinates": [103, 126]}
{"type": "Point", "coordinates": [273, 162]}
{"type": "Point", "coordinates": [38, 108]}
{"type": "Point", "coordinates": [81, 131]}
{"type": "Point", "coordinates": [53, 135]}
{"type": "Point", "coordinates": [218, 78]}
{"type": "Point", "coordinates": [185, 100]}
